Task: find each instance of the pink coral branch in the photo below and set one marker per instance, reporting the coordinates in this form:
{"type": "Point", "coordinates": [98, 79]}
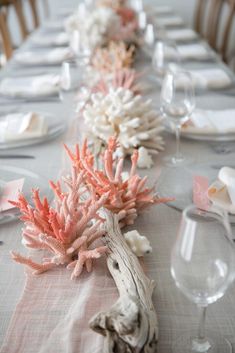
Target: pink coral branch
{"type": "Point", "coordinates": [38, 268]}
{"type": "Point", "coordinates": [130, 195]}
{"type": "Point", "coordinates": [67, 230]}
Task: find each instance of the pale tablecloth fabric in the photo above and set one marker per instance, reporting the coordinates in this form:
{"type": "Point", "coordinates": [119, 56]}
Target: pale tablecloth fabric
{"type": "Point", "coordinates": [52, 313]}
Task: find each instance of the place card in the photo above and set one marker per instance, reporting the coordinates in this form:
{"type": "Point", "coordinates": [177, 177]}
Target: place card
{"type": "Point", "coordinates": [200, 188]}
{"type": "Point", "coordinates": [10, 191]}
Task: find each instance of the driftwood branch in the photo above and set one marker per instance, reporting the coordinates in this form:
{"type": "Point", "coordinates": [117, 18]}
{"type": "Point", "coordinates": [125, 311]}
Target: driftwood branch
{"type": "Point", "coordinates": [131, 323]}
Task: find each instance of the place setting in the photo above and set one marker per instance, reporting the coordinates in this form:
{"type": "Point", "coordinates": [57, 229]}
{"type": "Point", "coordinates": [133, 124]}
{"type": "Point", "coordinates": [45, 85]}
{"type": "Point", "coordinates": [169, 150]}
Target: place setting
{"type": "Point", "coordinates": [20, 129]}
{"type": "Point", "coordinates": [13, 181]}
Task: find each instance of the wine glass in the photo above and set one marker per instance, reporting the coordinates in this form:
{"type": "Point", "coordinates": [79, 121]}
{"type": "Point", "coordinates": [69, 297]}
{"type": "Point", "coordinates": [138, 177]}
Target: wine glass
{"type": "Point", "coordinates": [177, 104]}
{"type": "Point", "coordinates": [165, 54]}
{"type": "Point", "coordinates": [71, 79]}
{"type": "Point", "coordinates": [202, 265]}
{"type": "Point", "coordinates": [80, 51]}
{"type": "Point", "coordinates": [137, 5]}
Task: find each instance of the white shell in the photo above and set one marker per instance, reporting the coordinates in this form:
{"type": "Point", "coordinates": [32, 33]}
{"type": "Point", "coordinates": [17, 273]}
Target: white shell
{"type": "Point", "coordinates": [139, 244]}
{"type": "Point", "coordinates": [145, 159]}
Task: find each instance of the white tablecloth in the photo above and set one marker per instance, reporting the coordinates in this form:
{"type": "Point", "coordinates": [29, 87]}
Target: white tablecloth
{"type": "Point", "coordinates": [65, 306]}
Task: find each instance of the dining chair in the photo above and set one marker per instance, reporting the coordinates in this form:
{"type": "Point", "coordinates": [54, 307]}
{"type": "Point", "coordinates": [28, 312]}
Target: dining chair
{"type": "Point", "coordinates": [18, 7]}
{"type": "Point", "coordinates": [35, 12]}
{"type": "Point", "coordinates": [213, 20]}
{"type": "Point", "coordinates": [5, 34]}
{"type": "Point", "coordinates": [224, 48]}
{"type": "Point", "coordinates": [206, 19]}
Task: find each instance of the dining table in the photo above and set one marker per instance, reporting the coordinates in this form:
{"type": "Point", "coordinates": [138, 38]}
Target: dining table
{"type": "Point", "coordinates": [49, 312]}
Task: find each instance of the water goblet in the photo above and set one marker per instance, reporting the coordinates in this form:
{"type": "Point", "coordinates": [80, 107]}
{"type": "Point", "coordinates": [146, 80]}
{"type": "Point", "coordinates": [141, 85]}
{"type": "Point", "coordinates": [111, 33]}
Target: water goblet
{"type": "Point", "coordinates": [202, 265]}
{"type": "Point", "coordinates": [177, 104]}
{"type": "Point", "coordinates": [165, 54]}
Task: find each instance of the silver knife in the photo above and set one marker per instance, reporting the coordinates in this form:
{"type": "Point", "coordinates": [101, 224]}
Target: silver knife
{"type": "Point", "coordinates": [16, 156]}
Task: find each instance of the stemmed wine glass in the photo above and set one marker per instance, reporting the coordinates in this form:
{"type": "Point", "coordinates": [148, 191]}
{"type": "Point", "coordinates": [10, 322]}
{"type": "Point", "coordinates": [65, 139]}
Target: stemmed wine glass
{"type": "Point", "coordinates": [177, 104]}
{"type": "Point", "coordinates": [165, 54]}
{"type": "Point", "coordinates": [202, 265]}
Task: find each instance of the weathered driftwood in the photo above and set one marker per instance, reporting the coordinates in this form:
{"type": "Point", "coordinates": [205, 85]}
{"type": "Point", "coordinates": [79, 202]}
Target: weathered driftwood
{"type": "Point", "coordinates": [131, 323]}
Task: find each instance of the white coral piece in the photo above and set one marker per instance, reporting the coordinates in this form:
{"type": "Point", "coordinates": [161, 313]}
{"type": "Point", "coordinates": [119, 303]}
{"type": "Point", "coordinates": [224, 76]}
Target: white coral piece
{"type": "Point", "coordinates": [129, 117]}
{"type": "Point", "coordinates": [96, 27]}
{"type": "Point", "coordinates": [139, 244]}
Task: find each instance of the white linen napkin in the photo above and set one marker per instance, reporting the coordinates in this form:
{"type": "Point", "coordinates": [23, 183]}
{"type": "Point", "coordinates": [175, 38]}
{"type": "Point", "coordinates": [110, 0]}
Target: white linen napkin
{"type": "Point", "coordinates": [193, 51]}
{"type": "Point", "coordinates": [60, 39]}
{"type": "Point", "coordinates": [57, 55]}
{"type": "Point", "coordinates": [20, 126]}
{"type": "Point", "coordinates": [213, 121]}
{"type": "Point", "coordinates": [30, 86]}
{"type": "Point", "coordinates": [162, 9]}
{"type": "Point", "coordinates": [227, 176]}
{"type": "Point", "coordinates": [169, 21]}
{"type": "Point", "coordinates": [214, 77]}
{"type": "Point", "coordinates": [181, 34]}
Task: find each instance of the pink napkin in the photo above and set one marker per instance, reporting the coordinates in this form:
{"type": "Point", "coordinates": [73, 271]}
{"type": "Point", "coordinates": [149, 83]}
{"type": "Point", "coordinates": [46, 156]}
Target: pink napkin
{"type": "Point", "coordinates": [10, 191]}
{"type": "Point", "coordinates": [200, 187]}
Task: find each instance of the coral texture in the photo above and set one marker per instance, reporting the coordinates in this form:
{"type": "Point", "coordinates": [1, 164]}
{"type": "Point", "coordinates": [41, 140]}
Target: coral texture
{"type": "Point", "coordinates": [125, 78]}
{"type": "Point", "coordinates": [126, 197]}
{"type": "Point", "coordinates": [96, 28]}
{"type": "Point", "coordinates": [115, 56]}
{"type": "Point", "coordinates": [129, 117]}
{"type": "Point", "coordinates": [67, 231]}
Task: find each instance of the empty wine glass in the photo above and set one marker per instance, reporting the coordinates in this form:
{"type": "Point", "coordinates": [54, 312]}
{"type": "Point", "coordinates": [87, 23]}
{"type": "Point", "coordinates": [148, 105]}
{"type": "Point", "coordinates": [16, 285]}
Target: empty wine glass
{"type": "Point", "coordinates": [165, 54]}
{"type": "Point", "coordinates": [137, 5]}
{"type": "Point", "coordinates": [202, 265]}
{"type": "Point", "coordinates": [177, 104]}
{"type": "Point", "coordinates": [80, 51]}
{"type": "Point", "coordinates": [71, 79]}
{"type": "Point", "coordinates": [142, 21]}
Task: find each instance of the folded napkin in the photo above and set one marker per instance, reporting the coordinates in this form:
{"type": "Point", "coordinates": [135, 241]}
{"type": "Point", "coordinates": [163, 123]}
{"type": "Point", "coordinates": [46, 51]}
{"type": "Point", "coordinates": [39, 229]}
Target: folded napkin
{"type": "Point", "coordinates": [212, 121]}
{"type": "Point", "coordinates": [60, 39]}
{"type": "Point", "coordinates": [214, 77]}
{"type": "Point", "coordinates": [181, 34]}
{"type": "Point", "coordinates": [20, 126]}
{"type": "Point", "coordinates": [193, 51]}
{"type": "Point", "coordinates": [222, 191]}
{"type": "Point", "coordinates": [162, 9]}
{"type": "Point", "coordinates": [54, 56]}
{"type": "Point", "coordinates": [30, 86]}
{"type": "Point", "coordinates": [227, 176]}
{"type": "Point", "coordinates": [169, 21]}
{"type": "Point", "coordinates": [54, 25]}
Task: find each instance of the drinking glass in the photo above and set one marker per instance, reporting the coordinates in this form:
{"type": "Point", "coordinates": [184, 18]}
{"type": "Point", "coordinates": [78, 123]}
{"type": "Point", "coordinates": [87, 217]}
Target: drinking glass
{"type": "Point", "coordinates": [142, 21]}
{"type": "Point", "coordinates": [165, 54]}
{"type": "Point", "coordinates": [177, 104]}
{"type": "Point", "coordinates": [80, 51]}
{"type": "Point", "coordinates": [71, 79]}
{"type": "Point", "coordinates": [137, 5]}
{"type": "Point", "coordinates": [202, 265]}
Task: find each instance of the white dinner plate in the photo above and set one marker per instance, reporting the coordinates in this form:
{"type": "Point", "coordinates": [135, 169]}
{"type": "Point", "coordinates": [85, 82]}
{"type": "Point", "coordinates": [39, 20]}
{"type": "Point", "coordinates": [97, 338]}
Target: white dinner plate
{"type": "Point", "coordinates": [178, 182]}
{"type": "Point", "coordinates": [31, 180]}
{"type": "Point", "coordinates": [54, 130]}
{"type": "Point", "coordinates": [196, 135]}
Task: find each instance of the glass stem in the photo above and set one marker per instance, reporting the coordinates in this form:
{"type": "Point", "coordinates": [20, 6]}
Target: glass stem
{"type": "Point", "coordinates": [200, 344]}
{"type": "Point", "coordinates": [177, 134]}
{"type": "Point", "coordinates": [202, 322]}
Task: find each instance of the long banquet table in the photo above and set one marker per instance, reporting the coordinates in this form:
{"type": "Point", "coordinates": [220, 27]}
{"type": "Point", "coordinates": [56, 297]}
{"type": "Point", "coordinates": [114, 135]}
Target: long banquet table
{"type": "Point", "coordinates": [50, 313]}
